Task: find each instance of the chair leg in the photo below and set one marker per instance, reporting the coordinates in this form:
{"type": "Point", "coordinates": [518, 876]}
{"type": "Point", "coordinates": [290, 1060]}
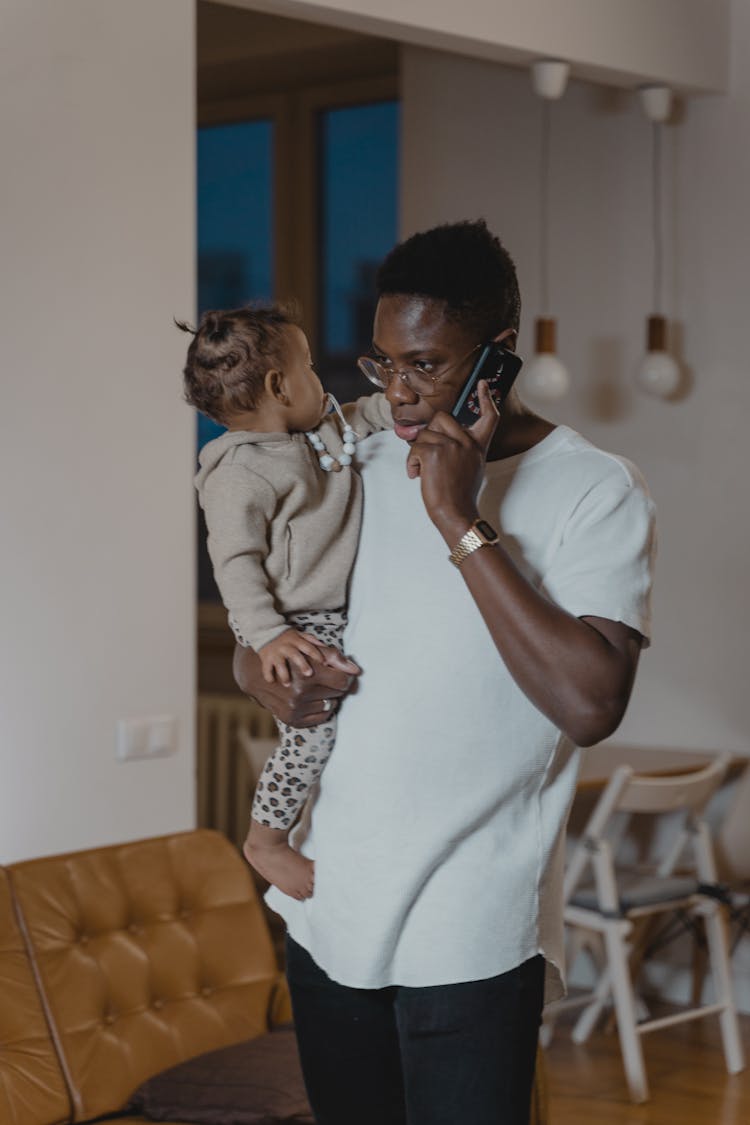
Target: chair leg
{"type": "Point", "coordinates": [586, 1022]}
{"type": "Point", "coordinates": [718, 952]}
{"type": "Point", "coordinates": [630, 1040]}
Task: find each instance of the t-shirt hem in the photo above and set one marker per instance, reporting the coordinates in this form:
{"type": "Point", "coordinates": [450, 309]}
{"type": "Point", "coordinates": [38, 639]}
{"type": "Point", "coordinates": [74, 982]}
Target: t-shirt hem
{"type": "Point", "coordinates": [554, 981]}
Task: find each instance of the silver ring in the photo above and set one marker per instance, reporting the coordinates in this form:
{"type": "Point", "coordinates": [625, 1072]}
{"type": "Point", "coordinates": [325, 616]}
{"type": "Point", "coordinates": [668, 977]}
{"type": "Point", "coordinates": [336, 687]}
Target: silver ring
{"type": "Point", "coordinates": [327, 705]}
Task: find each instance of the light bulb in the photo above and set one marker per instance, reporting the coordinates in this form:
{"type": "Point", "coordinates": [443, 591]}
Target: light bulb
{"type": "Point", "coordinates": [545, 376]}
{"type": "Point", "coordinates": [658, 373]}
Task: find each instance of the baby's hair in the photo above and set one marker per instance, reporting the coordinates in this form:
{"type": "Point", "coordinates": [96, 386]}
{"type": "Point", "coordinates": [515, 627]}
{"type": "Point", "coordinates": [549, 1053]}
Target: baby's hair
{"type": "Point", "coordinates": [229, 355]}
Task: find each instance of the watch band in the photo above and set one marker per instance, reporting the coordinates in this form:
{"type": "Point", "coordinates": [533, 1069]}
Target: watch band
{"type": "Point", "coordinates": [480, 534]}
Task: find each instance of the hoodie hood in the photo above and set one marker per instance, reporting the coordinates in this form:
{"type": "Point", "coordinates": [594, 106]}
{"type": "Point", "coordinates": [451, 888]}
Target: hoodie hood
{"type": "Point", "coordinates": [214, 451]}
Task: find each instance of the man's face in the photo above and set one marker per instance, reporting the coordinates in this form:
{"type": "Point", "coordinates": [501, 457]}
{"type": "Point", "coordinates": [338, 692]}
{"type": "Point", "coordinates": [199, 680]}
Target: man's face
{"type": "Point", "coordinates": [413, 332]}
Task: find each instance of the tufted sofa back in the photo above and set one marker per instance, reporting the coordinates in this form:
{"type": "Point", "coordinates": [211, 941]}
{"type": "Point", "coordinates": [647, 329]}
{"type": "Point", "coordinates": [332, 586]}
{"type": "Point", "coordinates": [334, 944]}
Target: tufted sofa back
{"type": "Point", "coordinates": [32, 1088]}
{"type": "Point", "coordinates": [147, 953]}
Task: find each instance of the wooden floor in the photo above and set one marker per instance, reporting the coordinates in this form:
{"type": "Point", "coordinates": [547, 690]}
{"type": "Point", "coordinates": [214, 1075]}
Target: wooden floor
{"type": "Point", "coordinates": [685, 1066]}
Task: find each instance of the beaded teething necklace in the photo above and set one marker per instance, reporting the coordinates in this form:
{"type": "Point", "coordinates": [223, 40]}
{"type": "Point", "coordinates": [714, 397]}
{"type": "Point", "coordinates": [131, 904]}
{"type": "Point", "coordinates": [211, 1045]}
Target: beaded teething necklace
{"type": "Point", "coordinates": [328, 462]}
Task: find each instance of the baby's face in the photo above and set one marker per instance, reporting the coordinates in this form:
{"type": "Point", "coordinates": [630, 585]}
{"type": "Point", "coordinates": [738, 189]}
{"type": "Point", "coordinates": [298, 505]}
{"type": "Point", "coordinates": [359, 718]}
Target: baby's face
{"type": "Point", "coordinates": [306, 394]}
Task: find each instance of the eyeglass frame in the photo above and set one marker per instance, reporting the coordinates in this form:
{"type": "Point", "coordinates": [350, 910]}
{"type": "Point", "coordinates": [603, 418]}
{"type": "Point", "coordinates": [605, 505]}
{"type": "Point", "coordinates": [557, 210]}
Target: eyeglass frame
{"type": "Point", "coordinates": [403, 373]}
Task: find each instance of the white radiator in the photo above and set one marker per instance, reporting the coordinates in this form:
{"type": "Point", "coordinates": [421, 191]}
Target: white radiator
{"type": "Point", "coordinates": [235, 737]}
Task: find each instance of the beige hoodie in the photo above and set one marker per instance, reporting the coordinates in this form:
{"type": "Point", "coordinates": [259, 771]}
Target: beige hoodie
{"type": "Point", "coordinates": [282, 532]}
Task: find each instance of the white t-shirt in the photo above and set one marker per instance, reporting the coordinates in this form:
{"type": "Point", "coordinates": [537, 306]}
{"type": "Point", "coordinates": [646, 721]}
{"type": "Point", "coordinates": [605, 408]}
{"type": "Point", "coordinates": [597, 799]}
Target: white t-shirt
{"type": "Point", "coordinates": [438, 828]}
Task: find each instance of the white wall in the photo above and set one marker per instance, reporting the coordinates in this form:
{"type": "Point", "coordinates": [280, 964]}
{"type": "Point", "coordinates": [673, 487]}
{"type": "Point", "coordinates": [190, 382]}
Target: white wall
{"type": "Point", "coordinates": [96, 569]}
{"type": "Point", "coordinates": [470, 149]}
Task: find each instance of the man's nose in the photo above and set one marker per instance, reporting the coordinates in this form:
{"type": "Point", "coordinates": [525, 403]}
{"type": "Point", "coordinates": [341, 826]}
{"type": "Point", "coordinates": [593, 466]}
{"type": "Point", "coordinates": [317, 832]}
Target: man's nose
{"type": "Point", "coordinates": [398, 392]}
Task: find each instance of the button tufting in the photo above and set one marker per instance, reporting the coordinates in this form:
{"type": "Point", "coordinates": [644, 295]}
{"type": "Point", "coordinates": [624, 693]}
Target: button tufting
{"type": "Point", "coordinates": [206, 991]}
{"type": "Point", "coordinates": [158, 1004]}
{"type": "Point", "coordinates": [109, 1018]}
{"type": "Point", "coordinates": [84, 939]}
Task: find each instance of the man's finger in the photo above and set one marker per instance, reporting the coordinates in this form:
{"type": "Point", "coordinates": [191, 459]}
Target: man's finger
{"type": "Point", "coordinates": [336, 660]}
{"type": "Point", "coordinates": [484, 428]}
{"type": "Point", "coordinates": [444, 424]}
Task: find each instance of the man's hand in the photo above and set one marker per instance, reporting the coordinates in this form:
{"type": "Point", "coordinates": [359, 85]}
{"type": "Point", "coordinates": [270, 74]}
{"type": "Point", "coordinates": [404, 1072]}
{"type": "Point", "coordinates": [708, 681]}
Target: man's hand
{"type": "Point", "coordinates": [301, 703]}
{"type": "Point", "coordinates": [449, 460]}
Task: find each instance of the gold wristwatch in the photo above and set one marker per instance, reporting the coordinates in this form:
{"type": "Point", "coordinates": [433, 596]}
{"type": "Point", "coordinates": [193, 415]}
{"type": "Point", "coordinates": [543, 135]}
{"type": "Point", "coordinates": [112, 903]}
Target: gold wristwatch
{"type": "Point", "coordinates": [480, 534]}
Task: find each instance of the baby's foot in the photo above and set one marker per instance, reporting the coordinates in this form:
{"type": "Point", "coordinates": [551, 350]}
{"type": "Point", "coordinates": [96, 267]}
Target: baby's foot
{"type": "Point", "coordinates": [269, 853]}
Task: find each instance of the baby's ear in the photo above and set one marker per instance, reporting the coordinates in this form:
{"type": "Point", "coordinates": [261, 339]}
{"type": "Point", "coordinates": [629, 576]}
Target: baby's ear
{"type": "Point", "coordinates": [275, 386]}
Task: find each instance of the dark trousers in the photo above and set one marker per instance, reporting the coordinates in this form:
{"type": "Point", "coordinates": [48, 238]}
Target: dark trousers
{"type": "Point", "coordinates": [455, 1054]}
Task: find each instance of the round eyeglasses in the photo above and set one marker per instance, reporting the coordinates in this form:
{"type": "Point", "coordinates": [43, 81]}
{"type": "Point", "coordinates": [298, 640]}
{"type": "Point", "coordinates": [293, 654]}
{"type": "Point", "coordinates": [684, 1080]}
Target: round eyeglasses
{"type": "Point", "coordinates": [422, 383]}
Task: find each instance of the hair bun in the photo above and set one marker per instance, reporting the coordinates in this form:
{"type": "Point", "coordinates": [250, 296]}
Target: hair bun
{"type": "Point", "coordinates": [214, 327]}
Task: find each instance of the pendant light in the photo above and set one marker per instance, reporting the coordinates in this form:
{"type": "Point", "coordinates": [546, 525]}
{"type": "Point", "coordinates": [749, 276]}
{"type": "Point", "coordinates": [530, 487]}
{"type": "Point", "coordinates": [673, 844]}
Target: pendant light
{"type": "Point", "coordinates": [544, 376]}
{"type": "Point", "coordinates": [658, 372]}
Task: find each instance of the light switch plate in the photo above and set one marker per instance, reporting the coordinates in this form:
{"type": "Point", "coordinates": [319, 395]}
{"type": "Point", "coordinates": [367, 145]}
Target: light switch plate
{"type": "Point", "coordinates": [151, 736]}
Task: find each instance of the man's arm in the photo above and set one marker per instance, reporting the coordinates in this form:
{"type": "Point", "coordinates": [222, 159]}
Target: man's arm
{"type": "Point", "coordinates": [577, 671]}
{"type": "Point", "coordinates": [300, 703]}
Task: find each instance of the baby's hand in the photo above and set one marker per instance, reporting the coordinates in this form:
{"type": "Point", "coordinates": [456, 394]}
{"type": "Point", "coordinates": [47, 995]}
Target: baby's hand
{"type": "Point", "coordinates": [289, 649]}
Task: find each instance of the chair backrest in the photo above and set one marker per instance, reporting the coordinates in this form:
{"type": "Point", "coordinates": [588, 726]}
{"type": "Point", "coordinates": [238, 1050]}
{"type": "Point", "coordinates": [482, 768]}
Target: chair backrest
{"type": "Point", "coordinates": [688, 791]}
{"type": "Point", "coordinates": [146, 953]}
{"type": "Point", "coordinates": [733, 834]}
{"type": "Point", "coordinates": [628, 793]}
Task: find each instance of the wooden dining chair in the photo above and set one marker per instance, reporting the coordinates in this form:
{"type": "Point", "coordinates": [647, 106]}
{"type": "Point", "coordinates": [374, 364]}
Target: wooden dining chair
{"type": "Point", "coordinates": [609, 904]}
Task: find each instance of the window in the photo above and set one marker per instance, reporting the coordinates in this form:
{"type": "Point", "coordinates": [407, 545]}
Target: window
{"type": "Point", "coordinates": [282, 191]}
{"type": "Point", "coordinates": [235, 222]}
{"type": "Point", "coordinates": [358, 170]}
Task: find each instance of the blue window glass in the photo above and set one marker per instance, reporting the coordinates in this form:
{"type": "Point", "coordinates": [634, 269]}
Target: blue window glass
{"type": "Point", "coordinates": [358, 162]}
{"type": "Point", "coordinates": [235, 222]}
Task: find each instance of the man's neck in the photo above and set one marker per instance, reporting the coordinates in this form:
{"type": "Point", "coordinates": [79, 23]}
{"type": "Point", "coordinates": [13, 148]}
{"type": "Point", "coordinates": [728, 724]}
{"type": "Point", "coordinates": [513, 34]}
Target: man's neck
{"type": "Point", "coordinates": [518, 431]}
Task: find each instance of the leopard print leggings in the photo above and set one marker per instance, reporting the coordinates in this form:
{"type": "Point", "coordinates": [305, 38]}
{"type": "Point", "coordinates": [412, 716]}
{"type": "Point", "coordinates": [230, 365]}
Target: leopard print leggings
{"type": "Point", "coordinates": [293, 768]}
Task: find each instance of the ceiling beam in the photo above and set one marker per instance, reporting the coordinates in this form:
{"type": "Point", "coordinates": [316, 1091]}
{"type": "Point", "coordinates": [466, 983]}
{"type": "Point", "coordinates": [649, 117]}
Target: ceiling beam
{"type": "Point", "coordinates": [680, 43]}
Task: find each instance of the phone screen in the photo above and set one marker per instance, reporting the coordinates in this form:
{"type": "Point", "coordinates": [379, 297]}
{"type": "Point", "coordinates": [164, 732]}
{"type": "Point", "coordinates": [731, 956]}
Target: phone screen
{"type": "Point", "coordinates": [499, 366]}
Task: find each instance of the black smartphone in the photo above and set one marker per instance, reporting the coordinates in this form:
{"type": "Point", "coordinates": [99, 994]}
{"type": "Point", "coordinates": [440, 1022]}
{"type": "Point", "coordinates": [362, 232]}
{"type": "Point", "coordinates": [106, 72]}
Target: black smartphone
{"type": "Point", "coordinates": [499, 366]}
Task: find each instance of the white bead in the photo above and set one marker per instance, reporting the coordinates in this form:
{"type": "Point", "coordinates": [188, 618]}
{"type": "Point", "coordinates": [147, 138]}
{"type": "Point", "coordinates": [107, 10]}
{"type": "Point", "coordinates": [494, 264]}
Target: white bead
{"type": "Point", "coordinates": [345, 459]}
{"type": "Point", "coordinates": [327, 461]}
{"type": "Point", "coordinates": [349, 434]}
{"type": "Point", "coordinates": [349, 447]}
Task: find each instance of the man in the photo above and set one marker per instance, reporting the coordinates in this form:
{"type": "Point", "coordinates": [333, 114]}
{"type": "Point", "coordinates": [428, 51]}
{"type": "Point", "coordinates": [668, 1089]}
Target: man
{"type": "Point", "coordinates": [417, 968]}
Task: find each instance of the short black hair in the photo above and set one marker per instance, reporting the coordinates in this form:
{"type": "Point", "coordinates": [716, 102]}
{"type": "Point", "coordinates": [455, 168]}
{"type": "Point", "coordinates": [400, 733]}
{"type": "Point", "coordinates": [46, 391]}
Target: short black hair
{"type": "Point", "coordinates": [229, 355]}
{"type": "Point", "coordinates": [462, 264]}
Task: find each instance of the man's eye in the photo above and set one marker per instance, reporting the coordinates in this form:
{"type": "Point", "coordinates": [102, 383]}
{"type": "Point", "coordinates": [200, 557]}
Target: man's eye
{"type": "Point", "coordinates": [425, 365]}
{"type": "Point", "coordinates": [383, 360]}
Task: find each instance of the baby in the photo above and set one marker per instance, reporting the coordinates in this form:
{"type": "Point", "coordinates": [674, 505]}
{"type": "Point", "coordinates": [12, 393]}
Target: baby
{"type": "Point", "coordinates": [283, 505]}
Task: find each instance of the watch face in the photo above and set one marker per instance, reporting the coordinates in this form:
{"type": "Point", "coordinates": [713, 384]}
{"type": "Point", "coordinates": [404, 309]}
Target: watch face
{"type": "Point", "coordinates": [484, 529]}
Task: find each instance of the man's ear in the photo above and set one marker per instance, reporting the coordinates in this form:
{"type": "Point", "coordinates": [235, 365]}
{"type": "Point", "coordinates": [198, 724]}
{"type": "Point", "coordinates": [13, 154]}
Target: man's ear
{"type": "Point", "coordinates": [508, 336]}
{"type": "Point", "coordinates": [275, 386]}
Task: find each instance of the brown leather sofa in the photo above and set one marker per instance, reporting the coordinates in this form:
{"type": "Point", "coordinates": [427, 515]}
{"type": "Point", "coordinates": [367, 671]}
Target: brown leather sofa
{"type": "Point", "coordinates": [117, 963]}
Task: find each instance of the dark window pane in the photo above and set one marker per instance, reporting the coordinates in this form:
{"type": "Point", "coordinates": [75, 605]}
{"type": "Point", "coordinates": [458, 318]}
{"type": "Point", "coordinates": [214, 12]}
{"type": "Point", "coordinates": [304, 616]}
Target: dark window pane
{"type": "Point", "coordinates": [235, 222]}
{"type": "Point", "coordinates": [358, 152]}
{"type": "Point", "coordinates": [235, 214]}
{"type": "Point", "coordinates": [235, 251]}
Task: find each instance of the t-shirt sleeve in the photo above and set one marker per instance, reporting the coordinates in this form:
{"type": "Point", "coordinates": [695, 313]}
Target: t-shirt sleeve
{"type": "Point", "coordinates": [368, 414]}
{"type": "Point", "coordinates": [604, 564]}
{"type": "Point", "coordinates": [239, 506]}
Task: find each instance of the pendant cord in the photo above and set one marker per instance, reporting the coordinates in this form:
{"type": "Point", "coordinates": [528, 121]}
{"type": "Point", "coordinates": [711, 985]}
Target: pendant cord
{"type": "Point", "coordinates": [544, 163]}
{"type": "Point", "coordinates": [656, 206]}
